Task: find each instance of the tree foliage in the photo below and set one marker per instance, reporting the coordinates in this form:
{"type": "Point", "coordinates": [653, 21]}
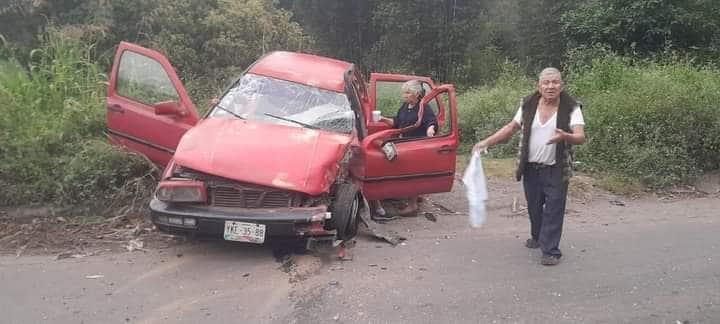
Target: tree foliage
{"type": "Point", "coordinates": [464, 41]}
{"type": "Point", "coordinates": [646, 26]}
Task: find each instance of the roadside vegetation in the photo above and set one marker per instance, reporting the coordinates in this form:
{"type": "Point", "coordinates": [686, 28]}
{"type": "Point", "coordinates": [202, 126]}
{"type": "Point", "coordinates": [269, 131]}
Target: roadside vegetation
{"type": "Point", "coordinates": [649, 123]}
{"type": "Point", "coordinates": [51, 129]}
{"type": "Point", "coordinates": [650, 100]}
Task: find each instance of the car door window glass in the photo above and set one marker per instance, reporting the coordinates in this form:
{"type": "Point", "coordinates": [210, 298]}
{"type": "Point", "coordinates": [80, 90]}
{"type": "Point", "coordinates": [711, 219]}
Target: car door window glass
{"type": "Point", "coordinates": [445, 127]}
{"type": "Point", "coordinates": [388, 96]}
{"type": "Point", "coordinates": [143, 79]}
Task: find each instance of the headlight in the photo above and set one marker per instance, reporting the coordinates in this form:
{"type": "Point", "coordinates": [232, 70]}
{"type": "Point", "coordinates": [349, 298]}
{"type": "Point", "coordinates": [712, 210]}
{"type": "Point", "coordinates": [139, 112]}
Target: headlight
{"type": "Point", "coordinates": [181, 191]}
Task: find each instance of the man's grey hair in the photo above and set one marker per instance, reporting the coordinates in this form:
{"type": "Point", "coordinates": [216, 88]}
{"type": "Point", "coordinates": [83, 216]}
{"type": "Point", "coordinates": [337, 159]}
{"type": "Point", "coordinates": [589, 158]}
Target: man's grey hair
{"type": "Point", "coordinates": [413, 86]}
{"type": "Point", "coordinates": [549, 71]}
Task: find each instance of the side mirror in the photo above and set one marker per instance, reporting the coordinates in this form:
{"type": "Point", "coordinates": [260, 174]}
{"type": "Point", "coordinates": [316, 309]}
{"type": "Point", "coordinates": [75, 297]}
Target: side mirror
{"type": "Point", "coordinates": [168, 108]}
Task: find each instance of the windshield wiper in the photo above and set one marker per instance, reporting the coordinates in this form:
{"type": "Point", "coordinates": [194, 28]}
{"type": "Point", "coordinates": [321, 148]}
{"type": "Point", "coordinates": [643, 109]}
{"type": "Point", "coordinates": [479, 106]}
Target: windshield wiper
{"type": "Point", "coordinates": [229, 111]}
{"type": "Point", "coordinates": [293, 121]}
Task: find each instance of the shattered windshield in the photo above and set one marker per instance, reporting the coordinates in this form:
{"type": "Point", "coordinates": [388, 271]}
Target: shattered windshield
{"type": "Point", "coordinates": [276, 101]}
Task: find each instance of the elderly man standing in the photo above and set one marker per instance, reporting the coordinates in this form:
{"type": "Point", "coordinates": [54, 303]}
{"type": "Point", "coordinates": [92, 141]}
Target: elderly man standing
{"type": "Point", "coordinates": [551, 122]}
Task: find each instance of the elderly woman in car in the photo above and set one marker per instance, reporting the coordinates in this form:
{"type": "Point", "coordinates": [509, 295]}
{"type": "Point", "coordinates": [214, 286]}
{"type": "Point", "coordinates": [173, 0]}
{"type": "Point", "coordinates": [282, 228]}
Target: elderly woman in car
{"type": "Point", "coordinates": [407, 115]}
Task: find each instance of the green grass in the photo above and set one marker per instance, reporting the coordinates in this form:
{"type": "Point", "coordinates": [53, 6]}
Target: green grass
{"type": "Point", "coordinates": [51, 126]}
{"type": "Point", "coordinates": [656, 123]}
{"type": "Point", "coordinates": [619, 185]}
{"type": "Point", "coordinates": [483, 111]}
{"type": "Point", "coordinates": [652, 124]}
{"type": "Point", "coordinates": [493, 167]}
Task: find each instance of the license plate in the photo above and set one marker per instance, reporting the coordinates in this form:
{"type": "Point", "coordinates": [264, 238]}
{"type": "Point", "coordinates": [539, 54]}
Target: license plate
{"type": "Point", "coordinates": [244, 232]}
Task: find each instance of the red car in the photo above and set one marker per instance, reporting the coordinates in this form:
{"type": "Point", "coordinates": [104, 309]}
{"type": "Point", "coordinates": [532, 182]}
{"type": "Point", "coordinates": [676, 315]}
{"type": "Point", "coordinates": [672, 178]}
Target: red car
{"type": "Point", "coordinates": [290, 149]}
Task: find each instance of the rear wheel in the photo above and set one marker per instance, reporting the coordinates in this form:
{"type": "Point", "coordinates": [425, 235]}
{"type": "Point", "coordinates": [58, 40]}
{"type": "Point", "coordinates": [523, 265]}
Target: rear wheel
{"type": "Point", "coordinates": [346, 210]}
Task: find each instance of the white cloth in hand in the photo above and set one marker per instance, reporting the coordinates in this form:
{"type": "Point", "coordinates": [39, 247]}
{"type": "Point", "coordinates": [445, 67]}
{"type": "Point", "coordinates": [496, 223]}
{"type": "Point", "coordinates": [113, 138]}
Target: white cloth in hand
{"type": "Point", "coordinates": [476, 189]}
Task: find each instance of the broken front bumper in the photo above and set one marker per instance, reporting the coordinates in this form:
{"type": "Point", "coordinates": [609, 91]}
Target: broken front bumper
{"type": "Point", "coordinates": [279, 222]}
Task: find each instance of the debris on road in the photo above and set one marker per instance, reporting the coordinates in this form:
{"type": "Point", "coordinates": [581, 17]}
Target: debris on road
{"type": "Point", "coordinates": [94, 276]}
{"type": "Point", "coordinates": [617, 203]}
{"type": "Point", "coordinates": [430, 216]}
{"type": "Point", "coordinates": [377, 229]}
{"type": "Point", "coordinates": [135, 244]}
{"type": "Point", "coordinates": [172, 236]}
{"type": "Point", "coordinates": [71, 234]}
{"type": "Point", "coordinates": [344, 254]}
{"type": "Point", "coordinates": [21, 250]}
{"type": "Point", "coordinates": [443, 208]}
{"type": "Point", "coordinates": [71, 255]}
{"type": "Point", "coordinates": [516, 207]}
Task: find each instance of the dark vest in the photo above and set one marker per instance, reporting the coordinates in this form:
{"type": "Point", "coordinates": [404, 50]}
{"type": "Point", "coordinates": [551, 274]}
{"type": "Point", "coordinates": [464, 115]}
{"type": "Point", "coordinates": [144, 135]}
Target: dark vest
{"type": "Point", "coordinates": [563, 151]}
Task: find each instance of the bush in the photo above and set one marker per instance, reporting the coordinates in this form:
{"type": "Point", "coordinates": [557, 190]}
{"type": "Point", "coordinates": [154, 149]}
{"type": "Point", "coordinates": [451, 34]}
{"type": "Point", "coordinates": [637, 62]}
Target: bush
{"type": "Point", "coordinates": [481, 67]}
{"type": "Point", "coordinates": [101, 172]}
{"type": "Point", "coordinates": [484, 110]}
{"type": "Point", "coordinates": [211, 42]}
{"type": "Point", "coordinates": [656, 122]}
{"type": "Point", "coordinates": [49, 113]}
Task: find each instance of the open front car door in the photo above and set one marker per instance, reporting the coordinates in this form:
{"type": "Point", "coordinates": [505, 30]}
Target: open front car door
{"type": "Point", "coordinates": [148, 109]}
{"type": "Point", "coordinates": [401, 167]}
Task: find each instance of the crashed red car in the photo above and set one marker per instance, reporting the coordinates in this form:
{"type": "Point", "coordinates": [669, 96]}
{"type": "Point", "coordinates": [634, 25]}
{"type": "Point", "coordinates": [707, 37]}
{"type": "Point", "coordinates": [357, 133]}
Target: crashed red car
{"type": "Point", "coordinates": [290, 149]}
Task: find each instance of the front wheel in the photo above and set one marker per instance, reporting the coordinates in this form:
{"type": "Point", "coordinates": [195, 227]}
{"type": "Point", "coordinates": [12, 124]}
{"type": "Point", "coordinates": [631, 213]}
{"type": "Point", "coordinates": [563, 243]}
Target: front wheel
{"type": "Point", "coordinates": [345, 211]}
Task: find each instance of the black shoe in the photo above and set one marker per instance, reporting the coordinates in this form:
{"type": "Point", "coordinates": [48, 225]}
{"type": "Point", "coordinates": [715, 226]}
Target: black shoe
{"type": "Point", "coordinates": [532, 244]}
{"type": "Point", "coordinates": [550, 260]}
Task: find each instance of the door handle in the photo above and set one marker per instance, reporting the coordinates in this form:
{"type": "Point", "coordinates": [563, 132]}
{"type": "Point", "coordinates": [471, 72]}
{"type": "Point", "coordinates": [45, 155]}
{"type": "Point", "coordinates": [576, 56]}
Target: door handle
{"type": "Point", "coordinates": [445, 149]}
{"type": "Point", "coordinates": [116, 108]}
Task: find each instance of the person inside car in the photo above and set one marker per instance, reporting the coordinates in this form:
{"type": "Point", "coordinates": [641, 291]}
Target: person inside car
{"type": "Point", "coordinates": [407, 115]}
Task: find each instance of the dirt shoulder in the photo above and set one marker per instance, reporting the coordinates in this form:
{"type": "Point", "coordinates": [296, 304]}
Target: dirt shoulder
{"type": "Point", "coordinates": [52, 231]}
{"type": "Point", "coordinates": [49, 231]}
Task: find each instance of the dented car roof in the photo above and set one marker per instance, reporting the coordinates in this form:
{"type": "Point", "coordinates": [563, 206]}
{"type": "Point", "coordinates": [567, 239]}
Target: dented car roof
{"type": "Point", "coordinates": [316, 71]}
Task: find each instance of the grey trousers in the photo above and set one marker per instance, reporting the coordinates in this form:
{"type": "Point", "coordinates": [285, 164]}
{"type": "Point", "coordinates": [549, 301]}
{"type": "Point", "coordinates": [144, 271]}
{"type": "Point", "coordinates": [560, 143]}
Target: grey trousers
{"type": "Point", "coordinates": [546, 194]}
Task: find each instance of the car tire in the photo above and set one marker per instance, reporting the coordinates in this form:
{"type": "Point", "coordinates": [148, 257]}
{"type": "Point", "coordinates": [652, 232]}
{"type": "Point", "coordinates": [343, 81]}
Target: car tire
{"type": "Point", "coordinates": [346, 211]}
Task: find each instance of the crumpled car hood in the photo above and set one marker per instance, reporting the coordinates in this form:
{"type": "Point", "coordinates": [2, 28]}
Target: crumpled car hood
{"type": "Point", "coordinates": [291, 158]}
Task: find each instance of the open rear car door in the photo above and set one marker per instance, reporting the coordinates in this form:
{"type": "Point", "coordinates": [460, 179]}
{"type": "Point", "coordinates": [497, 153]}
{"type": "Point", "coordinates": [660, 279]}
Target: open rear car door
{"type": "Point", "coordinates": [148, 109]}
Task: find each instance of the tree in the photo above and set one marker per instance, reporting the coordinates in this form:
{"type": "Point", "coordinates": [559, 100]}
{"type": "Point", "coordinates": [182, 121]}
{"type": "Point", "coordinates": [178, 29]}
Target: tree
{"type": "Point", "coordinates": [210, 42]}
{"type": "Point", "coordinates": [424, 37]}
{"type": "Point", "coordinates": [646, 26]}
{"type": "Point", "coordinates": [341, 28]}
{"type": "Point", "coordinates": [20, 21]}
{"type": "Point", "coordinates": [540, 41]}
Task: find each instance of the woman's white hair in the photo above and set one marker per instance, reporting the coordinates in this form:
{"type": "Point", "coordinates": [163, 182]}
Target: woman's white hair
{"type": "Point", "coordinates": [413, 86]}
{"type": "Point", "coordinates": [549, 71]}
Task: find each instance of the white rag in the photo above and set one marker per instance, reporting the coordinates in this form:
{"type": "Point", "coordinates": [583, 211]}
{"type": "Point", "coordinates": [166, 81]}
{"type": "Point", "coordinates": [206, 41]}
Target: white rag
{"type": "Point", "coordinates": [476, 187]}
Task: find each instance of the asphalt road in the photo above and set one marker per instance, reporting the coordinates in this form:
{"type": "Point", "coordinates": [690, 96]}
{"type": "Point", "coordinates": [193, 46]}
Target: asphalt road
{"type": "Point", "coordinates": [644, 261]}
